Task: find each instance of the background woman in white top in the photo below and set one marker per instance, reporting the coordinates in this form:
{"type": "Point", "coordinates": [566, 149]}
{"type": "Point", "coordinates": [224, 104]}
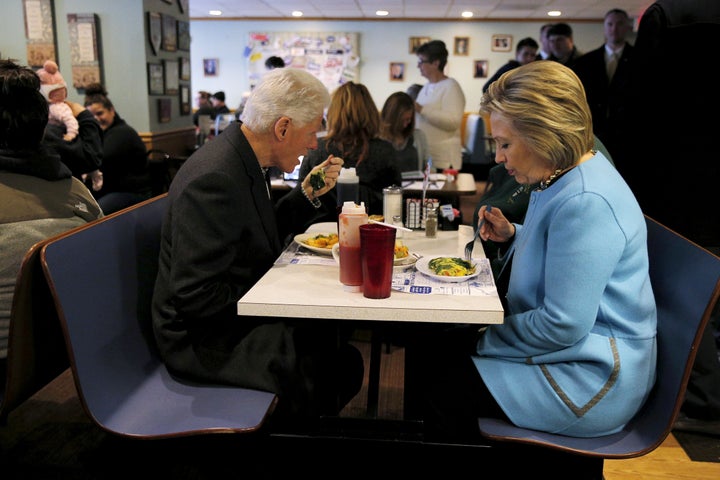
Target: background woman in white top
{"type": "Point", "coordinates": [439, 107]}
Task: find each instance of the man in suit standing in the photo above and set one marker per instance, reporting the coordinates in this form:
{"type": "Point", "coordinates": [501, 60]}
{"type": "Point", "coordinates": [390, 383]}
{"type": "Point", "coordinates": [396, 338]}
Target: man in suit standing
{"type": "Point", "coordinates": [604, 73]}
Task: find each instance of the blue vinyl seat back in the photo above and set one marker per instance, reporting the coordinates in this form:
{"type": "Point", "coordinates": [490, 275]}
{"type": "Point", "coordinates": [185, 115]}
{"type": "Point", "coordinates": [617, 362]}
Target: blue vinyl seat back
{"type": "Point", "coordinates": [686, 284]}
{"type": "Point", "coordinates": [102, 278]}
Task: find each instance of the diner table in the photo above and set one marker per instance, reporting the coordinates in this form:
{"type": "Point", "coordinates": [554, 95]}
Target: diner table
{"type": "Point", "coordinates": [303, 284]}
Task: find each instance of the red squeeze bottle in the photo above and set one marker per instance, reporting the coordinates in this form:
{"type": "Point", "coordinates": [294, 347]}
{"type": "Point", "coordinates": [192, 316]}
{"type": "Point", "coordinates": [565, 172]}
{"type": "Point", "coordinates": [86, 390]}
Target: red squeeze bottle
{"type": "Point", "coordinates": [350, 219]}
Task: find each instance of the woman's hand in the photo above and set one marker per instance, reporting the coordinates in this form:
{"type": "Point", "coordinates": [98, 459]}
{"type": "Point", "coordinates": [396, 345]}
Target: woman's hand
{"type": "Point", "coordinates": [75, 107]}
{"type": "Point", "coordinates": [496, 227]}
{"type": "Point", "coordinates": [332, 168]}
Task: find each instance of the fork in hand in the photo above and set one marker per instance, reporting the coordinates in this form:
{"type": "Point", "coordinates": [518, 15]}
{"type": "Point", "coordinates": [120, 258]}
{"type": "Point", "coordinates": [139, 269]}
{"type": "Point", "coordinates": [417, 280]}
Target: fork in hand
{"type": "Point", "coordinates": [471, 243]}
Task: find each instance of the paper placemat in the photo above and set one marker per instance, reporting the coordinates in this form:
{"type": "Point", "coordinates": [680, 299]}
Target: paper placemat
{"type": "Point", "coordinates": [294, 254]}
{"type": "Point", "coordinates": [412, 281]}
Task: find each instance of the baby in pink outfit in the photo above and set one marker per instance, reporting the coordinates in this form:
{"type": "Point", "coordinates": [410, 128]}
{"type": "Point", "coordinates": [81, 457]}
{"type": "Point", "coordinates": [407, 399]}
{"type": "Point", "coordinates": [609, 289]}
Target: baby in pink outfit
{"type": "Point", "coordinates": [54, 89]}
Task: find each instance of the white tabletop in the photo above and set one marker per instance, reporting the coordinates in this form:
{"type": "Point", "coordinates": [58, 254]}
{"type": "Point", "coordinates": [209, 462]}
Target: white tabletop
{"type": "Point", "coordinates": [315, 291]}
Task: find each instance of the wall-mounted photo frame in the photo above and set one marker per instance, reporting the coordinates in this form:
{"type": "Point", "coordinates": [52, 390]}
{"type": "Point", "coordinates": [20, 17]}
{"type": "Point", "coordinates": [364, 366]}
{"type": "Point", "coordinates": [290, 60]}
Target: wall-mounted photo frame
{"type": "Point", "coordinates": [183, 35]}
{"type": "Point", "coordinates": [501, 43]}
{"type": "Point", "coordinates": [85, 49]}
{"type": "Point", "coordinates": [172, 76]}
{"type": "Point", "coordinates": [164, 110]}
{"type": "Point", "coordinates": [462, 46]}
{"type": "Point", "coordinates": [185, 100]}
{"type": "Point", "coordinates": [156, 79]}
{"type": "Point", "coordinates": [397, 71]}
{"type": "Point", "coordinates": [154, 21]}
{"type": "Point", "coordinates": [169, 33]}
{"type": "Point", "coordinates": [185, 73]}
{"type": "Point", "coordinates": [210, 67]}
{"type": "Point", "coordinates": [481, 69]}
{"type": "Point", "coordinates": [415, 43]}
{"type": "Point", "coordinates": [41, 41]}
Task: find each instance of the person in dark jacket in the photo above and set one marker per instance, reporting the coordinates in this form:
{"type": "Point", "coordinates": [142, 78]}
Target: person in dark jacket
{"type": "Point", "coordinates": [663, 138]}
{"type": "Point", "coordinates": [353, 125]}
{"type": "Point", "coordinates": [222, 233]}
{"type": "Point", "coordinates": [604, 73]}
{"type": "Point", "coordinates": [525, 52]}
{"type": "Point", "coordinates": [39, 197]}
{"type": "Point", "coordinates": [126, 176]}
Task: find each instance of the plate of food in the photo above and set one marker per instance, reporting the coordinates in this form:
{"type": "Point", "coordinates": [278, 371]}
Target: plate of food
{"type": "Point", "coordinates": [321, 243]}
{"type": "Point", "coordinates": [403, 257]}
{"type": "Point", "coordinates": [447, 268]}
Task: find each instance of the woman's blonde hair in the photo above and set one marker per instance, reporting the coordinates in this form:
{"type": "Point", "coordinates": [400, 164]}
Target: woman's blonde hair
{"type": "Point", "coordinates": [545, 103]}
{"type": "Point", "coordinates": [353, 120]}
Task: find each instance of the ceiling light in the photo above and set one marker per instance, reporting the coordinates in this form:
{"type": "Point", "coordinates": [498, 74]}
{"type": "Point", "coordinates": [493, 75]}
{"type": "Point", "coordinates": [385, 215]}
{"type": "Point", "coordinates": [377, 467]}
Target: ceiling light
{"type": "Point", "coordinates": [382, 13]}
{"type": "Point", "coordinates": [297, 13]}
{"type": "Point", "coordinates": [466, 14]}
{"type": "Point", "coordinates": [554, 13]}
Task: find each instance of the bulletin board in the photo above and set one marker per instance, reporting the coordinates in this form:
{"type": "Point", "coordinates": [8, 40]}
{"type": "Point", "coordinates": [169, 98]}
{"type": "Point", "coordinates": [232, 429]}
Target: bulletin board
{"type": "Point", "coordinates": [333, 57]}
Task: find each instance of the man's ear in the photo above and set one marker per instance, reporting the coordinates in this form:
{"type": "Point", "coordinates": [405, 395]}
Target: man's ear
{"type": "Point", "coordinates": [281, 127]}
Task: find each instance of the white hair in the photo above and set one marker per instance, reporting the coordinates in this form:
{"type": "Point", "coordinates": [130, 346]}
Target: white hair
{"type": "Point", "coordinates": [289, 92]}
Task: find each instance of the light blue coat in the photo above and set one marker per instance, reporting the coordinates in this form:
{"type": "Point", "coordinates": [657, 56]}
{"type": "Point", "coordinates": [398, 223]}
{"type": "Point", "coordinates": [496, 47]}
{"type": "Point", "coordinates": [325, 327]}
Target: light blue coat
{"type": "Point", "coordinates": [576, 353]}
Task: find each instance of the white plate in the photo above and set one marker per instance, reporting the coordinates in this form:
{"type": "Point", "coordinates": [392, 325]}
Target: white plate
{"type": "Point", "coordinates": [405, 261]}
{"type": "Point", "coordinates": [302, 237]}
{"type": "Point", "coordinates": [322, 227]}
{"type": "Point", "coordinates": [422, 267]}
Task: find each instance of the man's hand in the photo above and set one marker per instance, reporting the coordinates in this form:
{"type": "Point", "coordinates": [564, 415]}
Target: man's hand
{"type": "Point", "coordinates": [332, 167]}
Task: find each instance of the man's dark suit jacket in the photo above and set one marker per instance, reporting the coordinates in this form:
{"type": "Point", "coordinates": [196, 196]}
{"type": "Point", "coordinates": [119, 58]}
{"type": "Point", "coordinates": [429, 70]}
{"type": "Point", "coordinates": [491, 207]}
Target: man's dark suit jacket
{"type": "Point", "coordinates": [607, 100]}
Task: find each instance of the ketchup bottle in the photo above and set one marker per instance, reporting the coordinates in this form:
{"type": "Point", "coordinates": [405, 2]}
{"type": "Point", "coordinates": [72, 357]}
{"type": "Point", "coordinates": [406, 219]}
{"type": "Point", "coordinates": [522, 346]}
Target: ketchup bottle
{"type": "Point", "coordinates": [350, 219]}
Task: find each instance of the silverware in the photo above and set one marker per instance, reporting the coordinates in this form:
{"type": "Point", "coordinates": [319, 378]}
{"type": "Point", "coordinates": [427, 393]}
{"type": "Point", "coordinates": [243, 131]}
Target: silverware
{"type": "Point", "coordinates": [469, 246]}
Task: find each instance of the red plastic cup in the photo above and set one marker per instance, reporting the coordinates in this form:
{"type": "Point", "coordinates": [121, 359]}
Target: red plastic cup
{"type": "Point", "coordinates": [377, 252]}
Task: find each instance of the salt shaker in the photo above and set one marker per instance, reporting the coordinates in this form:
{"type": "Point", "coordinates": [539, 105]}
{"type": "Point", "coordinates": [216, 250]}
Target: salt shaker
{"type": "Point", "coordinates": [431, 223]}
{"type": "Point", "coordinates": [392, 202]}
{"type": "Point", "coordinates": [397, 221]}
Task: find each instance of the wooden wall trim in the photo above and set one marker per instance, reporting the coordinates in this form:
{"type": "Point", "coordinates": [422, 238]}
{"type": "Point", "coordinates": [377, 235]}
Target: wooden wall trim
{"type": "Point", "coordinates": [179, 142]}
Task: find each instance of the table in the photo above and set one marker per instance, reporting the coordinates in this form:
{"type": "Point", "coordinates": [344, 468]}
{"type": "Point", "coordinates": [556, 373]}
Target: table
{"type": "Point", "coordinates": [314, 291]}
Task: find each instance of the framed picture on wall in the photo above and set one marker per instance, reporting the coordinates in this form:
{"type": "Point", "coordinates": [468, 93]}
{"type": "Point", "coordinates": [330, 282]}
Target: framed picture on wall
{"type": "Point", "coordinates": [415, 43]}
{"type": "Point", "coordinates": [481, 69]}
{"type": "Point", "coordinates": [169, 33]}
{"type": "Point", "coordinates": [164, 110]}
{"type": "Point", "coordinates": [462, 46]}
{"type": "Point", "coordinates": [210, 67]}
{"type": "Point", "coordinates": [397, 71]}
{"type": "Point", "coordinates": [184, 100]}
{"type": "Point", "coordinates": [172, 76]}
{"type": "Point", "coordinates": [501, 43]}
{"type": "Point", "coordinates": [184, 68]}
{"type": "Point", "coordinates": [155, 31]}
{"type": "Point", "coordinates": [156, 79]}
{"type": "Point", "coordinates": [183, 35]}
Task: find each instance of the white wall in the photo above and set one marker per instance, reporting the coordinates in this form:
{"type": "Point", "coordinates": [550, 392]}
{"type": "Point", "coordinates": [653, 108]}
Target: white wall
{"type": "Point", "coordinates": [381, 42]}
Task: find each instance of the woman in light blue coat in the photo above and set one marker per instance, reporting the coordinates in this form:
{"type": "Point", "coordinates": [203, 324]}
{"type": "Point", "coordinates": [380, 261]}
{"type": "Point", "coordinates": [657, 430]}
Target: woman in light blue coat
{"type": "Point", "coordinates": [577, 350]}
